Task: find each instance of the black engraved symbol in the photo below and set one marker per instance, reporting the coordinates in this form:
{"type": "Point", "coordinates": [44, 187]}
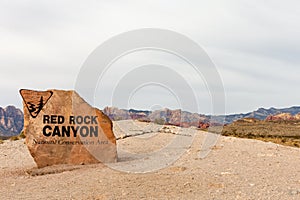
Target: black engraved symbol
{"type": "Point", "coordinates": [35, 109]}
{"type": "Point", "coordinates": [37, 100]}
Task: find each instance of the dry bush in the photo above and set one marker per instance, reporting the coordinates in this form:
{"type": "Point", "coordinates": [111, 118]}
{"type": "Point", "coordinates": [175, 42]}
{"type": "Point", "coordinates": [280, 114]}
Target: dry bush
{"type": "Point", "coordinates": [160, 121]}
{"type": "Point", "coordinates": [18, 137]}
{"type": "Point", "coordinates": [22, 135]}
{"type": "Point", "coordinates": [280, 132]}
{"type": "Point", "coordinates": [14, 138]}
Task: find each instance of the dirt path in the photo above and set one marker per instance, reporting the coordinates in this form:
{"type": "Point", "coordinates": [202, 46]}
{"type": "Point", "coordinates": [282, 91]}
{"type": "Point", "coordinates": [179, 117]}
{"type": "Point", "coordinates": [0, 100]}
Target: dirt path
{"type": "Point", "coordinates": [235, 169]}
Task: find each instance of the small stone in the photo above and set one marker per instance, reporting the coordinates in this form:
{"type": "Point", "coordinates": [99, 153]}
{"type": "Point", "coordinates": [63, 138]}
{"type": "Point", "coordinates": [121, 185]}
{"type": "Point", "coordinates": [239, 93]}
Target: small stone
{"type": "Point", "coordinates": [225, 173]}
{"type": "Point", "coordinates": [122, 136]}
{"type": "Point", "coordinates": [294, 192]}
{"type": "Point", "coordinates": [186, 184]}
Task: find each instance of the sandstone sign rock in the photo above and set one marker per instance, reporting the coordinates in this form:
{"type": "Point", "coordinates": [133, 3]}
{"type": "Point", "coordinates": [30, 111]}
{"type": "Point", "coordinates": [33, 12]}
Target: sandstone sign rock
{"type": "Point", "coordinates": [61, 128]}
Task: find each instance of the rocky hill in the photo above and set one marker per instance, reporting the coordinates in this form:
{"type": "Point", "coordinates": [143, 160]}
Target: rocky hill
{"type": "Point", "coordinates": [11, 121]}
{"type": "Point", "coordinates": [283, 117]}
{"type": "Point", "coordinates": [186, 119]}
{"type": "Point", "coordinates": [164, 116]}
{"type": "Point", "coordinates": [11, 118]}
{"type": "Point", "coordinates": [262, 114]}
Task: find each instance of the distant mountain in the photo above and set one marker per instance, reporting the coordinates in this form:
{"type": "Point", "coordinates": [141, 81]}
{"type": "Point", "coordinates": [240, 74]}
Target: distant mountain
{"type": "Point", "coordinates": [11, 118]}
{"type": "Point", "coordinates": [164, 116]}
{"type": "Point", "coordinates": [11, 121]}
{"type": "Point", "coordinates": [262, 114]}
{"type": "Point", "coordinates": [283, 117]}
{"type": "Point", "coordinates": [186, 119]}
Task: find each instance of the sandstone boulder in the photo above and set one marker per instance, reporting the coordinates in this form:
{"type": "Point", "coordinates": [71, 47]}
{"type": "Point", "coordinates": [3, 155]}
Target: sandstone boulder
{"type": "Point", "coordinates": [61, 128]}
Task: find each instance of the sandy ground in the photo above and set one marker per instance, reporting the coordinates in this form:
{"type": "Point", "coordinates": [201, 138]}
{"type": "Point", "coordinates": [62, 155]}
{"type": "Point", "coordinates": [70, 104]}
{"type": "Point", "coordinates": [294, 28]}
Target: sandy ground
{"type": "Point", "coordinates": [234, 169]}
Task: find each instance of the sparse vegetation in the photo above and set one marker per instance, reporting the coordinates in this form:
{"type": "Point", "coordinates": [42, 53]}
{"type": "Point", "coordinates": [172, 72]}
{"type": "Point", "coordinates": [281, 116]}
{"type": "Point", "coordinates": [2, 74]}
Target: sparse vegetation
{"type": "Point", "coordinates": [1, 141]}
{"type": "Point", "coordinates": [118, 118]}
{"type": "Point", "coordinates": [280, 132]}
{"type": "Point", "coordinates": [14, 138]}
{"type": "Point", "coordinates": [160, 121]}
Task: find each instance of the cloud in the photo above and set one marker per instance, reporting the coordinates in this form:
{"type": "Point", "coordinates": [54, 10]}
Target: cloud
{"type": "Point", "coordinates": [255, 44]}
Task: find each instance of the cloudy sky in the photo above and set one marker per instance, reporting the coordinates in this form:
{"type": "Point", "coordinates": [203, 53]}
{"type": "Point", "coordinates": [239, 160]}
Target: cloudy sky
{"type": "Point", "coordinates": [255, 46]}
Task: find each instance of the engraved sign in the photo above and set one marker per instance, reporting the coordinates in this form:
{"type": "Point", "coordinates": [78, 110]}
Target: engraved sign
{"type": "Point", "coordinates": [61, 128]}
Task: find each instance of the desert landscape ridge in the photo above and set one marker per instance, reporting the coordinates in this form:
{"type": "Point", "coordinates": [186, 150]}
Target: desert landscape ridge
{"type": "Point", "coordinates": [235, 168]}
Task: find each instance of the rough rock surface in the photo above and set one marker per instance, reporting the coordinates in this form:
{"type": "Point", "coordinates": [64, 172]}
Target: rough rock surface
{"type": "Point", "coordinates": [50, 127]}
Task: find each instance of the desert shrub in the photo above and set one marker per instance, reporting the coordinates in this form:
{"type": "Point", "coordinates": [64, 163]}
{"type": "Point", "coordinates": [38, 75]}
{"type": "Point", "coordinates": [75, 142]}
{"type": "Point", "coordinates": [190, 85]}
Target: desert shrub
{"type": "Point", "coordinates": [14, 138]}
{"type": "Point", "coordinates": [296, 144]}
{"type": "Point", "coordinates": [118, 118]}
{"type": "Point", "coordinates": [283, 140]}
{"type": "Point", "coordinates": [22, 135]}
{"type": "Point", "coordinates": [225, 133]}
{"type": "Point", "coordinates": [1, 141]}
{"type": "Point", "coordinates": [144, 120]}
{"type": "Point", "coordinates": [18, 137]}
{"type": "Point", "coordinates": [234, 131]}
{"type": "Point", "coordinates": [160, 121]}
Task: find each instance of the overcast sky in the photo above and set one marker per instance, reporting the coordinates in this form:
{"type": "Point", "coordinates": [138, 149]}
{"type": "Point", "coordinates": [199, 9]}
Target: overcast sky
{"type": "Point", "coordinates": [255, 46]}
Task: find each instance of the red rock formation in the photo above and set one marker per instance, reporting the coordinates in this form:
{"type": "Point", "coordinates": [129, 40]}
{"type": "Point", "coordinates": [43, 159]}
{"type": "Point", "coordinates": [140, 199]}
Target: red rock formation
{"type": "Point", "coordinates": [282, 117]}
{"type": "Point", "coordinates": [203, 125]}
{"type": "Point", "coordinates": [53, 136]}
{"type": "Point", "coordinates": [116, 114]}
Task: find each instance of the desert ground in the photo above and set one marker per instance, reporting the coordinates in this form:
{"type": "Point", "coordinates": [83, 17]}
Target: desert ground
{"type": "Point", "coordinates": [159, 163]}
